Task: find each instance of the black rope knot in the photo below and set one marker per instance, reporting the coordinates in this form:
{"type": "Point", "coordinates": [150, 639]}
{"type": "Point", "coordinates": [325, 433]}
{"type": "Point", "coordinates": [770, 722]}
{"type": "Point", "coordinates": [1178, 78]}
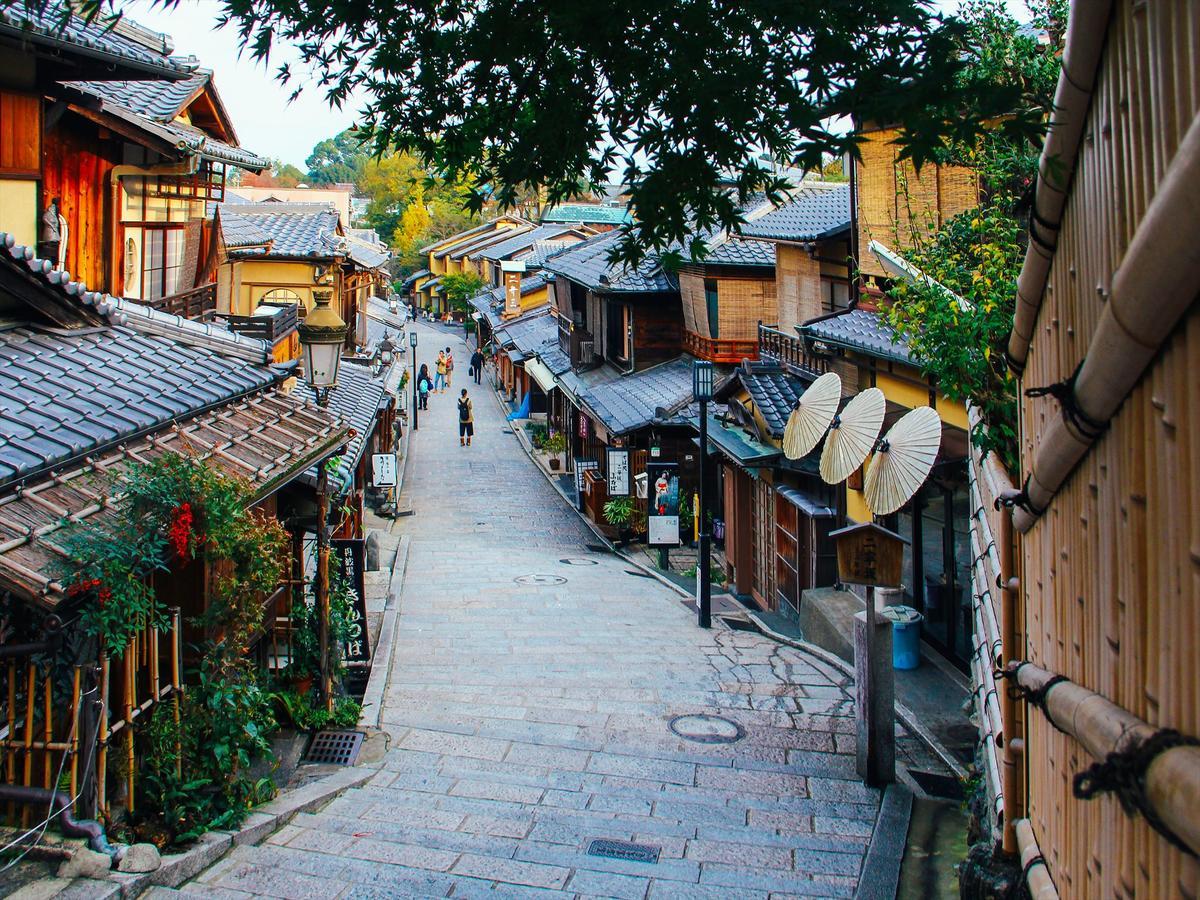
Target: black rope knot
{"type": "Point", "coordinates": [1123, 772]}
{"type": "Point", "coordinates": [1064, 393]}
{"type": "Point", "coordinates": [1032, 696]}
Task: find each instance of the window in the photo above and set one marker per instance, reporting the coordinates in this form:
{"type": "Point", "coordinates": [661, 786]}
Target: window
{"type": "Point", "coordinates": [710, 300]}
{"type": "Point", "coordinates": [153, 213]}
{"type": "Point", "coordinates": [280, 296]}
{"type": "Point", "coordinates": [619, 332]}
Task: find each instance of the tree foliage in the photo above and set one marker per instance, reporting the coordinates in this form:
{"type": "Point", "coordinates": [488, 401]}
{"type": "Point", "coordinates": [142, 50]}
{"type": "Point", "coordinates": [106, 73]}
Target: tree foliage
{"type": "Point", "coordinates": [461, 287]}
{"type": "Point", "coordinates": [956, 321]}
{"type": "Point", "coordinates": [278, 174]}
{"type": "Point", "coordinates": [339, 159]}
{"type": "Point", "coordinates": [676, 97]}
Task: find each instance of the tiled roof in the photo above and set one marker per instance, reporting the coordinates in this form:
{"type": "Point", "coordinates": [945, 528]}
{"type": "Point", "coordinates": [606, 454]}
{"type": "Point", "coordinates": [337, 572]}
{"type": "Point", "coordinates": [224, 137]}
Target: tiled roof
{"type": "Point", "coordinates": [528, 332]}
{"type": "Point", "coordinates": [816, 211]}
{"type": "Point", "coordinates": [229, 437]}
{"type": "Point", "coordinates": [523, 241]}
{"type": "Point", "coordinates": [366, 254]}
{"type": "Point", "coordinates": [542, 251]}
{"type": "Point", "coordinates": [774, 392]}
{"type": "Point", "coordinates": [587, 263]}
{"type": "Point", "coordinates": [123, 43]}
{"type": "Point", "coordinates": [587, 213]}
{"type": "Point", "coordinates": [629, 402]}
{"type": "Point", "coordinates": [64, 396]}
{"type": "Point", "coordinates": [356, 399]}
{"type": "Point", "coordinates": [478, 229]}
{"type": "Point", "coordinates": [483, 241]}
{"type": "Point", "coordinates": [734, 251]}
{"type": "Point", "coordinates": [415, 277]}
{"type": "Point", "coordinates": [152, 106]}
{"type": "Point", "coordinates": [859, 329]}
{"type": "Point", "coordinates": [295, 229]}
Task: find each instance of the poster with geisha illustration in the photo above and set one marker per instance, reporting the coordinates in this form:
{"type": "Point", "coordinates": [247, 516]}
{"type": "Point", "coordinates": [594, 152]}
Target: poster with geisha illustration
{"type": "Point", "coordinates": [662, 527]}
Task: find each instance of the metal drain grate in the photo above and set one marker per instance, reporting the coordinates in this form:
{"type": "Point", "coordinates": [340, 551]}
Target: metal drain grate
{"type": "Point", "coordinates": [707, 729]}
{"type": "Point", "coordinates": [625, 850]}
{"type": "Point", "coordinates": [540, 579]}
{"type": "Point", "coordinates": [339, 748]}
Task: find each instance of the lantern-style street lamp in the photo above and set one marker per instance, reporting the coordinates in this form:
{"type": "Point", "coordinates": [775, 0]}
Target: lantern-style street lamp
{"type": "Point", "coordinates": [387, 350]}
{"type": "Point", "coordinates": [322, 336]}
{"type": "Point", "coordinates": [702, 390]}
{"type": "Point", "coordinates": [412, 342]}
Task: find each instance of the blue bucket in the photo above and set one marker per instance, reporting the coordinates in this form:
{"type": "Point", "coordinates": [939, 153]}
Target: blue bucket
{"type": "Point", "coordinates": [906, 636]}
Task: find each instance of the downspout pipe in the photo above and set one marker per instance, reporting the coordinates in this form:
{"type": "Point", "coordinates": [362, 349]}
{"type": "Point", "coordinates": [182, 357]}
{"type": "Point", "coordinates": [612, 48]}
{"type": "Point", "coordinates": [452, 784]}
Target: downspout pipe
{"type": "Point", "coordinates": [1154, 287]}
{"type": "Point", "coordinates": [59, 805]}
{"type": "Point", "coordinates": [1086, 32]}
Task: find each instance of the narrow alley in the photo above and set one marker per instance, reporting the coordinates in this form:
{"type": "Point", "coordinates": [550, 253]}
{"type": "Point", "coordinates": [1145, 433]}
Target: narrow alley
{"type": "Point", "coordinates": [531, 703]}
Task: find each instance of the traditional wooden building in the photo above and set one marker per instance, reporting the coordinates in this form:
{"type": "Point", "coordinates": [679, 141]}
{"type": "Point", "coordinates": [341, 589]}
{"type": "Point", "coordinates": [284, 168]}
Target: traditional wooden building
{"type": "Point", "coordinates": [1099, 772]}
{"type": "Point", "coordinates": [426, 289]}
{"type": "Point", "coordinates": [90, 385]}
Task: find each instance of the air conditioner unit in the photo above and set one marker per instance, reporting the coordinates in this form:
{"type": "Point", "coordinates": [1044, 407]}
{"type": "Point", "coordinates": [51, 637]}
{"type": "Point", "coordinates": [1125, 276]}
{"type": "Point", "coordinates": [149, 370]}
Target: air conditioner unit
{"type": "Point", "coordinates": [587, 353]}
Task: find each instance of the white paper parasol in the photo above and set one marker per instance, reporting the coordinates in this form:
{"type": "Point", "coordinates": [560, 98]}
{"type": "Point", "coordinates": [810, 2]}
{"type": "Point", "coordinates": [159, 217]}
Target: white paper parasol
{"type": "Point", "coordinates": [904, 460]}
{"type": "Point", "coordinates": [810, 419]}
{"type": "Point", "coordinates": [852, 435]}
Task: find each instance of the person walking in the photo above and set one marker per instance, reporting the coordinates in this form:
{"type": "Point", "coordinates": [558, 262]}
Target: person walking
{"type": "Point", "coordinates": [449, 366]}
{"type": "Point", "coordinates": [424, 386]}
{"type": "Point", "coordinates": [439, 379]}
{"type": "Point", "coordinates": [477, 365]}
{"type": "Point", "coordinates": [466, 420]}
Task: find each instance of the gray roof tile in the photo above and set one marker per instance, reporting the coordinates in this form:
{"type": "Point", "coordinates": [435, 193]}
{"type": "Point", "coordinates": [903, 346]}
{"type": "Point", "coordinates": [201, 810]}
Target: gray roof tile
{"type": "Point", "coordinates": [102, 38]}
{"type": "Point", "coordinates": [524, 241]}
{"type": "Point", "coordinates": [295, 229]}
{"type": "Point", "coordinates": [628, 402]}
{"type": "Point", "coordinates": [774, 392]}
{"type": "Point", "coordinates": [859, 329]}
{"type": "Point", "coordinates": [356, 399]}
{"type": "Point", "coordinates": [587, 263]}
{"type": "Point", "coordinates": [816, 211]}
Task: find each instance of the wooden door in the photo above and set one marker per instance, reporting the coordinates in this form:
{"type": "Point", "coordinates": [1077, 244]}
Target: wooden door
{"type": "Point", "coordinates": [787, 554]}
{"type": "Point", "coordinates": [762, 521]}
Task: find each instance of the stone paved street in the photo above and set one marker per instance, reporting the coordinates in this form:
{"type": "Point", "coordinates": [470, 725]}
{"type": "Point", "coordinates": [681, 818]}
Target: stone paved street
{"type": "Point", "coordinates": [527, 720]}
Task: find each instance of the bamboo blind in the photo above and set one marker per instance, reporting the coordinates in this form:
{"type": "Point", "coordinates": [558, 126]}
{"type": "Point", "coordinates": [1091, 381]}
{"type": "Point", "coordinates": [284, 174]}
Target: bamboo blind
{"type": "Point", "coordinates": [893, 197]}
{"type": "Point", "coordinates": [1111, 572]}
{"type": "Point", "coordinates": [741, 304]}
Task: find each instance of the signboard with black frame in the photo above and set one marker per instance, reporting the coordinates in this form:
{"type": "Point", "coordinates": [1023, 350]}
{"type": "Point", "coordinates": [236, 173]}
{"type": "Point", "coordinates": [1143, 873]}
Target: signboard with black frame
{"type": "Point", "coordinates": [618, 472]}
{"type": "Point", "coordinates": [351, 565]}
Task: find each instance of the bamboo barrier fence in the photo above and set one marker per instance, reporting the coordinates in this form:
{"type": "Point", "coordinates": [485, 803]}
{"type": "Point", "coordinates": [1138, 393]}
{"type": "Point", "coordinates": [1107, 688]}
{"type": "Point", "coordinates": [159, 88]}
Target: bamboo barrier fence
{"type": "Point", "coordinates": [48, 718]}
{"type": "Point", "coordinates": [1111, 570]}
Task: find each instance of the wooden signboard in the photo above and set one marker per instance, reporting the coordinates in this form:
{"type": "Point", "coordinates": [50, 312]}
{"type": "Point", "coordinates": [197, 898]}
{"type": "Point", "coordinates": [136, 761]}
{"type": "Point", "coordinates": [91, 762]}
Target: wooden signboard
{"type": "Point", "coordinates": [618, 472]}
{"type": "Point", "coordinates": [869, 554]}
{"type": "Point", "coordinates": [351, 563]}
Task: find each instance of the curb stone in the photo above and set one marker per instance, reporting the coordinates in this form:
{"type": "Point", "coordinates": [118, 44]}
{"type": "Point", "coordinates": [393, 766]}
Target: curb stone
{"type": "Point", "coordinates": [381, 665]}
{"type": "Point", "coordinates": [881, 869]}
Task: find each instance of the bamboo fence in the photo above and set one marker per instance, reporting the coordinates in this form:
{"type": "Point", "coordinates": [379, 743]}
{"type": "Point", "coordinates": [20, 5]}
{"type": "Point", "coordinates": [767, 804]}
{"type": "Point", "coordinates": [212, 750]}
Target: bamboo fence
{"type": "Point", "coordinates": [1111, 583]}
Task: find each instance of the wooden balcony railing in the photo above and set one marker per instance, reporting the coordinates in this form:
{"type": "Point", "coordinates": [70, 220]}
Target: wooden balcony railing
{"type": "Point", "coordinates": [267, 328]}
{"type": "Point", "coordinates": [719, 350]}
{"type": "Point", "coordinates": [197, 303]}
{"type": "Point", "coordinates": [789, 351]}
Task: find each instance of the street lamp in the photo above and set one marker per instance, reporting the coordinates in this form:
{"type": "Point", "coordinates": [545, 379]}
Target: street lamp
{"type": "Point", "coordinates": [322, 334]}
{"type": "Point", "coordinates": [702, 390]}
{"type": "Point", "coordinates": [412, 342]}
{"type": "Point", "coordinates": [387, 350]}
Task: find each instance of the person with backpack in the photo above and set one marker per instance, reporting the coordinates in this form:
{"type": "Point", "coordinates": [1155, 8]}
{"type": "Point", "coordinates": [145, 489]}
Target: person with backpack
{"type": "Point", "coordinates": [424, 386]}
{"type": "Point", "coordinates": [466, 420]}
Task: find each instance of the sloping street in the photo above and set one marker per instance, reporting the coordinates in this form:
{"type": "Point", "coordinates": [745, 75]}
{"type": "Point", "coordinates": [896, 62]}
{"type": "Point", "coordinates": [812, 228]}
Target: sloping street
{"type": "Point", "coordinates": [529, 710]}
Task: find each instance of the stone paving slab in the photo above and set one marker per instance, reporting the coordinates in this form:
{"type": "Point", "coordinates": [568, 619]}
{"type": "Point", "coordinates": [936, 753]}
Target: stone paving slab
{"type": "Point", "coordinates": [527, 720]}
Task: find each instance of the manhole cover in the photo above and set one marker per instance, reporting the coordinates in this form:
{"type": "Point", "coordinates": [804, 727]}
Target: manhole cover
{"type": "Point", "coordinates": [540, 579]}
{"type": "Point", "coordinates": [625, 850]}
{"type": "Point", "coordinates": [706, 729]}
{"type": "Point", "coordinates": [339, 748]}
{"type": "Point", "coordinates": [578, 561]}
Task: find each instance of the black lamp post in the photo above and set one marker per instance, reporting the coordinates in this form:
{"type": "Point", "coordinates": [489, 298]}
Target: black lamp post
{"type": "Point", "coordinates": [412, 342]}
{"type": "Point", "coordinates": [322, 335]}
{"type": "Point", "coordinates": [702, 390]}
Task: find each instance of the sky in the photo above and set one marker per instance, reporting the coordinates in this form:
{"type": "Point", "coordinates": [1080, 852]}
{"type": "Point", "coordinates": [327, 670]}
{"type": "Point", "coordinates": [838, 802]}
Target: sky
{"type": "Point", "coordinates": [265, 122]}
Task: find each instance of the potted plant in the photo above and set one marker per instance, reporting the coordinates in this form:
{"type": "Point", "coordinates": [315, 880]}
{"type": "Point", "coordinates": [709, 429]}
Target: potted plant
{"type": "Point", "coordinates": [555, 445]}
{"type": "Point", "coordinates": [623, 514]}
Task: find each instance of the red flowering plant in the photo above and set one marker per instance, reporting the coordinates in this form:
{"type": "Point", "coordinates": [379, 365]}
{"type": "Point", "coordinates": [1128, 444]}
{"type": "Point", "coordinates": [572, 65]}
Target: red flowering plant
{"type": "Point", "coordinates": [172, 510]}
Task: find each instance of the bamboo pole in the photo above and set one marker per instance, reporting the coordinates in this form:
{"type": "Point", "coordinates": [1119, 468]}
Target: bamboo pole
{"type": "Point", "coordinates": [11, 756]}
{"type": "Point", "coordinates": [130, 700]}
{"type": "Point", "coordinates": [1010, 764]}
{"type": "Point", "coordinates": [30, 702]}
{"type": "Point", "coordinates": [175, 689]}
{"type": "Point", "coordinates": [47, 730]}
{"type": "Point", "coordinates": [1037, 876]}
{"type": "Point", "coordinates": [76, 680]}
{"type": "Point", "coordinates": [102, 750]}
{"type": "Point", "coordinates": [1172, 780]}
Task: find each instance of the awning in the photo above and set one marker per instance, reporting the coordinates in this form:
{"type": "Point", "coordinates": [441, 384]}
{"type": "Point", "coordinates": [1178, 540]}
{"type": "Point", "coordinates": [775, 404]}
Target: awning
{"type": "Point", "coordinates": [739, 446]}
{"type": "Point", "coordinates": [538, 372]}
{"type": "Point", "coordinates": [804, 503]}
{"type": "Point", "coordinates": [268, 439]}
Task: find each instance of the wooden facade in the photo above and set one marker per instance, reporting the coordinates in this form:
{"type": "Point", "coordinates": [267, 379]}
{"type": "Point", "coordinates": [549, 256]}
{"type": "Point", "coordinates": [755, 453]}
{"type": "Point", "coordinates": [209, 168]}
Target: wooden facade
{"type": "Point", "coordinates": [741, 298]}
{"type": "Point", "coordinates": [895, 201]}
{"type": "Point", "coordinates": [1110, 573]}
